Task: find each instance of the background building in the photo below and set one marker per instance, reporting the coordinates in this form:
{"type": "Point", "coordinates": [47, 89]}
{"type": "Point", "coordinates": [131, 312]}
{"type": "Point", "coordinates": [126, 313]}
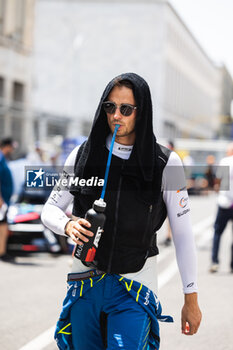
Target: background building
{"type": "Point", "coordinates": [226, 97]}
{"type": "Point", "coordinates": [191, 84]}
{"type": "Point", "coordinates": [89, 42]}
{"type": "Point", "coordinates": [78, 46]}
{"type": "Point", "coordinates": [16, 37]}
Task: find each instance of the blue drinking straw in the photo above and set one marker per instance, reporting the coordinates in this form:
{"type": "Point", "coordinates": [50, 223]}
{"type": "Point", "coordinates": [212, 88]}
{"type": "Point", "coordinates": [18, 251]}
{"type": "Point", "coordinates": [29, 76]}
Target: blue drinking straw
{"type": "Point", "coordinates": [109, 162]}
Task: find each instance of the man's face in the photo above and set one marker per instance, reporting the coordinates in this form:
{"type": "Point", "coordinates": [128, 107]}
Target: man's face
{"type": "Point", "coordinates": [126, 132]}
{"type": "Point", "coordinates": [7, 150]}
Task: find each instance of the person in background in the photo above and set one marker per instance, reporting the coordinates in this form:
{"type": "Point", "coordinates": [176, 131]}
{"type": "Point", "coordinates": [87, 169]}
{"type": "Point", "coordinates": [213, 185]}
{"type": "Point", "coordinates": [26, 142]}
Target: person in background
{"type": "Point", "coordinates": [210, 173]}
{"type": "Point", "coordinates": [224, 181]}
{"type": "Point", "coordinates": [6, 191]}
{"type": "Point", "coordinates": [37, 155]}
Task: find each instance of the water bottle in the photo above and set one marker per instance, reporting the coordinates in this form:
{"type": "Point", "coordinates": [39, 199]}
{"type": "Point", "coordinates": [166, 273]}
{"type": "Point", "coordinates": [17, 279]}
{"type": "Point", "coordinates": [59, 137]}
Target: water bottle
{"type": "Point", "coordinates": [96, 217]}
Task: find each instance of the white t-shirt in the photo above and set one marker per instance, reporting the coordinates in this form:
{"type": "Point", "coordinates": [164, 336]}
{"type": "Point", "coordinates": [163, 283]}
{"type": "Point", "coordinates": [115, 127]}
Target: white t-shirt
{"type": "Point", "coordinates": [177, 203]}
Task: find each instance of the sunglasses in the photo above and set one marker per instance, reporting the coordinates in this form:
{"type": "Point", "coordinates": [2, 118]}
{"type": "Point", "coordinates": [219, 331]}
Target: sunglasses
{"type": "Point", "coordinates": [125, 108]}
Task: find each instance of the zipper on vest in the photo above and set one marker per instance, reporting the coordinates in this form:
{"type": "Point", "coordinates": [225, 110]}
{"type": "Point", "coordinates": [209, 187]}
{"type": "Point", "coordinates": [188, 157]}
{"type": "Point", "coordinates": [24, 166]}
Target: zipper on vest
{"type": "Point", "coordinates": [147, 223]}
{"type": "Point", "coordinates": [116, 221]}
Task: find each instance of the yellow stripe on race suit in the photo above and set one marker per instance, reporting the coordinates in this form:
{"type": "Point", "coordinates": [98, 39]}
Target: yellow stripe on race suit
{"type": "Point", "coordinates": [101, 277]}
{"type": "Point", "coordinates": [148, 325]}
{"type": "Point", "coordinates": [138, 292]}
{"type": "Point", "coordinates": [147, 334]}
{"type": "Point", "coordinates": [62, 330]}
{"type": "Point", "coordinates": [128, 287]}
{"type": "Point", "coordinates": [81, 289]}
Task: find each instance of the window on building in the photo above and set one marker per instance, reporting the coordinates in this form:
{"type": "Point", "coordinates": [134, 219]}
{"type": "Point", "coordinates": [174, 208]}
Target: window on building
{"type": "Point", "coordinates": [56, 128]}
{"type": "Point", "coordinates": [19, 19]}
{"type": "Point", "coordinates": [2, 12]}
{"type": "Point", "coordinates": [14, 18]}
{"type": "Point", "coordinates": [16, 129]}
{"type": "Point", "coordinates": [18, 92]}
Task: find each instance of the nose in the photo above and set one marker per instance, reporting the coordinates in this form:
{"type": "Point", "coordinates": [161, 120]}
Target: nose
{"type": "Point", "coordinates": [117, 114]}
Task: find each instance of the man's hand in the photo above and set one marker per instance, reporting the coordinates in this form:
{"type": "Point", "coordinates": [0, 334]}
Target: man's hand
{"type": "Point", "coordinates": [191, 315]}
{"type": "Point", "coordinates": [77, 232]}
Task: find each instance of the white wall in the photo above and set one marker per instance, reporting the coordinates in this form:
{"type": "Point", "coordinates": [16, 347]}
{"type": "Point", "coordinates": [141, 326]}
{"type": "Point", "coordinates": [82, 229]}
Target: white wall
{"type": "Point", "coordinates": [192, 85]}
{"type": "Point", "coordinates": [81, 45]}
{"type": "Point", "coordinates": [87, 44]}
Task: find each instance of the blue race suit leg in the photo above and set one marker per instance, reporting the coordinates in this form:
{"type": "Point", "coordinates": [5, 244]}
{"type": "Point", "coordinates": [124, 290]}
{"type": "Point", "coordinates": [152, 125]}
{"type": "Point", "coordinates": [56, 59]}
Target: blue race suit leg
{"type": "Point", "coordinates": [109, 312]}
{"type": "Point", "coordinates": [106, 317]}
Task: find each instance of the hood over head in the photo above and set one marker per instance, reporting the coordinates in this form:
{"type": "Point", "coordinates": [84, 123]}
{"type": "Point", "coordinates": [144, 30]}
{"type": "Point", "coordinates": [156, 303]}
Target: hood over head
{"type": "Point", "coordinates": [144, 145]}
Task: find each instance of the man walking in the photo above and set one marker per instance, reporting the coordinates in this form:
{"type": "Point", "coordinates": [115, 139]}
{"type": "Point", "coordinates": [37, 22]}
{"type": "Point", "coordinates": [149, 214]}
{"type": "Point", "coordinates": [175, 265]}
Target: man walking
{"type": "Point", "coordinates": [225, 206]}
{"type": "Point", "coordinates": [6, 191]}
{"type": "Point", "coordinates": [111, 304]}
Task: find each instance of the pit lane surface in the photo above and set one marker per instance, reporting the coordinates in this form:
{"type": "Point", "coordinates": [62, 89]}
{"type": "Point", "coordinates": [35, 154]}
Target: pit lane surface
{"type": "Point", "coordinates": [32, 291]}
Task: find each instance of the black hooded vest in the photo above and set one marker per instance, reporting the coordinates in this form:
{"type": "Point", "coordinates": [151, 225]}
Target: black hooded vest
{"type": "Point", "coordinates": [135, 209]}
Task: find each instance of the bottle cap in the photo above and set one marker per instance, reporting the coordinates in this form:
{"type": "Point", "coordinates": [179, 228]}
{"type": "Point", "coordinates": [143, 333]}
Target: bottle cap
{"type": "Point", "coordinates": [99, 205]}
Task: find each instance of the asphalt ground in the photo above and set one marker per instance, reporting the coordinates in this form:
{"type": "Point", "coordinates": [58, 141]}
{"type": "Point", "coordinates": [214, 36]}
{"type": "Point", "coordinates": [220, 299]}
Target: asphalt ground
{"type": "Point", "coordinates": [32, 291]}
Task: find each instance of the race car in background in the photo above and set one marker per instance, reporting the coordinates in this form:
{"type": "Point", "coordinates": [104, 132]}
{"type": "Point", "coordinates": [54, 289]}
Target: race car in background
{"type": "Point", "coordinates": [28, 234]}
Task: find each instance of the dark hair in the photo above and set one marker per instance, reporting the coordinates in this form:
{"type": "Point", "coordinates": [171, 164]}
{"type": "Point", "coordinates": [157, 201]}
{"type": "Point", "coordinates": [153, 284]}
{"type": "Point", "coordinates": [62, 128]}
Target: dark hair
{"type": "Point", "coordinates": [123, 82]}
{"type": "Point", "coordinates": [8, 141]}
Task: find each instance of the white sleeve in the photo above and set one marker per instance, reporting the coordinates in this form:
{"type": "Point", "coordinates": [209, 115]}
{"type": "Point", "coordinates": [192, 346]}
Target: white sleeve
{"type": "Point", "coordinates": [177, 202]}
{"type": "Point", "coordinates": [53, 214]}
